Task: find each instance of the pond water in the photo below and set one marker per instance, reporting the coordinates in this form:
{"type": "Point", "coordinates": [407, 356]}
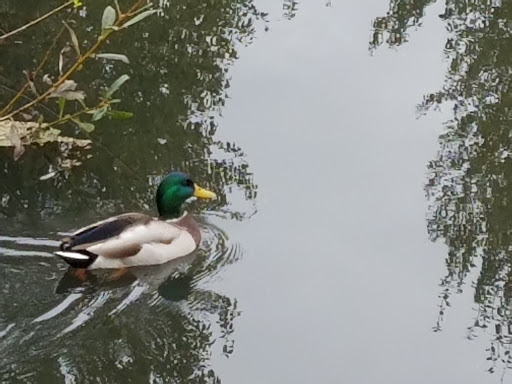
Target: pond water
{"type": "Point", "coordinates": [361, 154]}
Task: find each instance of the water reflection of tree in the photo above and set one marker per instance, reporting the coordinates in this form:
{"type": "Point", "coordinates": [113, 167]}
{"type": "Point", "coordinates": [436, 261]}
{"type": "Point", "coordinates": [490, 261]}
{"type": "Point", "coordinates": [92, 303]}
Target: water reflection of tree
{"type": "Point", "coordinates": [164, 336]}
{"type": "Point", "coordinates": [179, 81]}
{"type": "Point", "coordinates": [470, 183]}
{"type": "Point", "coordinates": [401, 16]}
{"type": "Point", "coordinates": [179, 64]}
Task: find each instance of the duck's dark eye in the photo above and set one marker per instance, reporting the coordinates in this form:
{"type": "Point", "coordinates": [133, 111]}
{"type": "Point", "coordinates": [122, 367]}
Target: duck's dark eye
{"type": "Point", "coordinates": [189, 183]}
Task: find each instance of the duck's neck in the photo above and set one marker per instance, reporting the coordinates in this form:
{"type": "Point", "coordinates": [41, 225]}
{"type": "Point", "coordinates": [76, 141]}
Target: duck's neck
{"type": "Point", "coordinates": [169, 212]}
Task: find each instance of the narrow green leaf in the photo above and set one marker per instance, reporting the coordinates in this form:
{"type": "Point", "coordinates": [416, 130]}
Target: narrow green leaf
{"type": "Point", "coordinates": [116, 85]}
{"type": "Point", "coordinates": [87, 127]}
{"type": "Point", "coordinates": [119, 115]}
{"type": "Point", "coordinates": [81, 101]}
{"type": "Point", "coordinates": [62, 103]}
{"type": "Point", "coordinates": [118, 8]}
{"type": "Point", "coordinates": [144, 7]}
{"type": "Point", "coordinates": [114, 101]}
{"type": "Point", "coordinates": [62, 55]}
{"type": "Point", "coordinates": [99, 113]}
{"type": "Point", "coordinates": [74, 39]}
{"type": "Point", "coordinates": [139, 17]}
{"type": "Point", "coordinates": [113, 56]}
{"type": "Point", "coordinates": [109, 17]}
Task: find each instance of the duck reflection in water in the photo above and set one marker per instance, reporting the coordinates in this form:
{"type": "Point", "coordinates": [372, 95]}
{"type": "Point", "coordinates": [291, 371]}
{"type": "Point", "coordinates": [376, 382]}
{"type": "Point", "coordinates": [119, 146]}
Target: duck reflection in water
{"type": "Point", "coordinates": [173, 280]}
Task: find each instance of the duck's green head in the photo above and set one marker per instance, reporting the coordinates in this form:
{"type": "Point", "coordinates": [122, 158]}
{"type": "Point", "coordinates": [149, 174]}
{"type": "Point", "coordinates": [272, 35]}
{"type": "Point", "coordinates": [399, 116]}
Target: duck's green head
{"type": "Point", "coordinates": [174, 190]}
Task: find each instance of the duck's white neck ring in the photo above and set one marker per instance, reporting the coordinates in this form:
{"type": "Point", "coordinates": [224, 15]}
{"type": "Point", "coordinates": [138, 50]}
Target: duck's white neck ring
{"type": "Point", "coordinates": [185, 213]}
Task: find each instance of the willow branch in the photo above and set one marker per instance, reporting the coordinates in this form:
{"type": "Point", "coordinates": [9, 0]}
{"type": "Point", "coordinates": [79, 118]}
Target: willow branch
{"type": "Point", "coordinates": [77, 64]}
{"type": "Point", "coordinates": [34, 22]}
{"type": "Point", "coordinates": [135, 7]}
{"type": "Point", "coordinates": [64, 77]}
{"type": "Point", "coordinates": [43, 62]}
{"type": "Point", "coordinates": [68, 117]}
{"type": "Point", "coordinates": [63, 119]}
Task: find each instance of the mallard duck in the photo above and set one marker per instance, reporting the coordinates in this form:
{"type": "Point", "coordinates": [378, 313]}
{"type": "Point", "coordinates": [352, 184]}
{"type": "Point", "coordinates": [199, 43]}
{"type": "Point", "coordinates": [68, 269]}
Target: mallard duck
{"type": "Point", "coordinates": [136, 239]}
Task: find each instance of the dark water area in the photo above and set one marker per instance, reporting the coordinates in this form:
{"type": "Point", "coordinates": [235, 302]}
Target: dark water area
{"type": "Point", "coordinates": [361, 154]}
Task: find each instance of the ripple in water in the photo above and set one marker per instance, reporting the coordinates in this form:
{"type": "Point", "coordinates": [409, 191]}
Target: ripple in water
{"type": "Point", "coordinates": [217, 251]}
{"type": "Point", "coordinates": [160, 322]}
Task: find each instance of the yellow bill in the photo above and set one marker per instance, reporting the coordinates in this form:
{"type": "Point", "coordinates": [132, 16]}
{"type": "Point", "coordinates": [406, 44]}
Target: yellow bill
{"type": "Point", "coordinates": [203, 193]}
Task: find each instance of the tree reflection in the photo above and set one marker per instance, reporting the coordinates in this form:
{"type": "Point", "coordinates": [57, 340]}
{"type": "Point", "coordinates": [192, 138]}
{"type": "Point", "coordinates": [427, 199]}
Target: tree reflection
{"type": "Point", "coordinates": [104, 334]}
{"type": "Point", "coordinates": [179, 81]}
{"type": "Point", "coordinates": [470, 180]}
{"type": "Point", "coordinates": [402, 15]}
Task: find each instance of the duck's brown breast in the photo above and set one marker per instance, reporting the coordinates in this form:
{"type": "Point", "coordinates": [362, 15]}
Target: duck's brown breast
{"type": "Point", "coordinates": [190, 225]}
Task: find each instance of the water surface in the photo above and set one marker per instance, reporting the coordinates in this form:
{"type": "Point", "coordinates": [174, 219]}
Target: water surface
{"type": "Point", "coordinates": [359, 149]}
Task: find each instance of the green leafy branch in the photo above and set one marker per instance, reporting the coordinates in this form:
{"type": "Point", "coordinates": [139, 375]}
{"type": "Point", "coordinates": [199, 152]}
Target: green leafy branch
{"type": "Point", "coordinates": [104, 107]}
{"type": "Point", "coordinates": [65, 89]}
{"type": "Point", "coordinates": [111, 23]}
{"type": "Point", "coordinates": [76, 3]}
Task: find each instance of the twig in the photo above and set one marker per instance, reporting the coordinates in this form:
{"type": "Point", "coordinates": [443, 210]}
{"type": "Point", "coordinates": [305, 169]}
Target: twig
{"type": "Point", "coordinates": [78, 63]}
{"type": "Point", "coordinates": [43, 62]}
{"type": "Point", "coordinates": [60, 81]}
{"type": "Point", "coordinates": [71, 117]}
{"type": "Point", "coordinates": [34, 22]}
{"type": "Point", "coordinates": [29, 99]}
{"type": "Point", "coordinates": [66, 118]}
{"type": "Point", "coordinates": [134, 8]}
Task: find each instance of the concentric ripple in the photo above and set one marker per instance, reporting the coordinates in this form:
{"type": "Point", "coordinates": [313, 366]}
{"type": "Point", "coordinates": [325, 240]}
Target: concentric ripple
{"type": "Point", "coordinates": [217, 251]}
{"type": "Point", "coordinates": [162, 312]}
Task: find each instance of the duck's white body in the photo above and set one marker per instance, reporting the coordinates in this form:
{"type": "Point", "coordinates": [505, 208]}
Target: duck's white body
{"type": "Point", "coordinates": [130, 240]}
{"type": "Point", "coordinates": [150, 254]}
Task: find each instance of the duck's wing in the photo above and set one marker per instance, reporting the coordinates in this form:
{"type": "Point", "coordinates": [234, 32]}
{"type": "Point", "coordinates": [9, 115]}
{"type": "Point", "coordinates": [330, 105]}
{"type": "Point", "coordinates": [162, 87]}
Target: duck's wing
{"type": "Point", "coordinates": [117, 237]}
{"type": "Point", "coordinates": [103, 230]}
{"type": "Point", "coordinates": [130, 241]}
